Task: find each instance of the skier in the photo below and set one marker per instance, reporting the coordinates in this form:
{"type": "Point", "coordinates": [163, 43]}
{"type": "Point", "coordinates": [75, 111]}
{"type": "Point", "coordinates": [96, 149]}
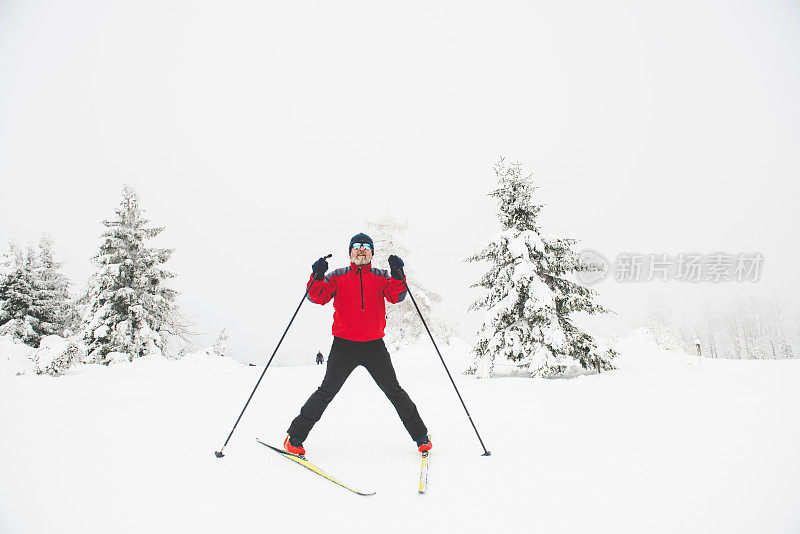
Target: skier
{"type": "Point", "coordinates": [359, 318]}
{"type": "Point", "coordinates": [320, 359]}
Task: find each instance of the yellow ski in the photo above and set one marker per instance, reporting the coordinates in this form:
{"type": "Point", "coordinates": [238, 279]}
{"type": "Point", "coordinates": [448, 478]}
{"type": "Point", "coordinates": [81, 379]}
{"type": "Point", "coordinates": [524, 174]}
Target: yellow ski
{"type": "Point", "coordinates": [423, 473]}
{"type": "Point", "coordinates": [311, 467]}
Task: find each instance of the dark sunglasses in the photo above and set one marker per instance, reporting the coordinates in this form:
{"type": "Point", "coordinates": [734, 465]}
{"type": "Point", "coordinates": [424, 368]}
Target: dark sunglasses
{"type": "Point", "coordinates": [366, 246]}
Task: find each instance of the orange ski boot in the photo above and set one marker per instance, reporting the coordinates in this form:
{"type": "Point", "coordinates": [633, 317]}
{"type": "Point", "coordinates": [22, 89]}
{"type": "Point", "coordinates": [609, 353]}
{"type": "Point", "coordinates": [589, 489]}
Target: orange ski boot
{"type": "Point", "coordinates": [424, 444]}
{"type": "Point", "coordinates": [291, 445]}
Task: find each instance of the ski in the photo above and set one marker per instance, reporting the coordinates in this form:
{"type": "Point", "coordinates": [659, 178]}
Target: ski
{"type": "Point", "coordinates": [311, 467]}
{"type": "Point", "coordinates": [423, 473]}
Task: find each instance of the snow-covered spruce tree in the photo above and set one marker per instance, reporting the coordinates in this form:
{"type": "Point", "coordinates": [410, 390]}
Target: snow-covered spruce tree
{"type": "Point", "coordinates": [660, 325]}
{"type": "Point", "coordinates": [403, 325]}
{"type": "Point", "coordinates": [129, 308]}
{"type": "Point", "coordinates": [53, 306]}
{"type": "Point", "coordinates": [220, 346]}
{"type": "Point", "coordinates": [528, 298]}
{"type": "Point", "coordinates": [13, 261]}
{"type": "Point", "coordinates": [18, 296]}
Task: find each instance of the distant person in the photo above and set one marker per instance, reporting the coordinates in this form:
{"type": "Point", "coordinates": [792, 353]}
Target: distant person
{"type": "Point", "coordinates": [359, 319]}
{"type": "Point", "coordinates": [320, 359]}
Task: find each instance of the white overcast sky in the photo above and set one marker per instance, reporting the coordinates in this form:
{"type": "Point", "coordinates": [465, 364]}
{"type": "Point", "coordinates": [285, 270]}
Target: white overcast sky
{"type": "Point", "coordinates": [262, 133]}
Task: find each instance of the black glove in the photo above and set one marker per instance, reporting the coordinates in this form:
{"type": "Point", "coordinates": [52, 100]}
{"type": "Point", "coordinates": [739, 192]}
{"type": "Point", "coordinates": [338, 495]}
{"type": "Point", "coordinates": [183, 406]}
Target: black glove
{"type": "Point", "coordinates": [319, 268]}
{"type": "Point", "coordinates": [396, 265]}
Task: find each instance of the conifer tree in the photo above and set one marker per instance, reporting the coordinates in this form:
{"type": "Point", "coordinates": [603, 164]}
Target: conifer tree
{"type": "Point", "coordinates": [528, 296]}
{"type": "Point", "coordinates": [130, 308]}
{"type": "Point", "coordinates": [403, 325]}
{"type": "Point", "coordinates": [10, 301]}
{"type": "Point", "coordinates": [221, 344]}
{"type": "Point", "coordinates": [18, 296]}
{"type": "Point", "coordinates": [52, 303]}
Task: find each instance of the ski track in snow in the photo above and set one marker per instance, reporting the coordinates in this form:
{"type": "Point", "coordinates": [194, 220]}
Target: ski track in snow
{"type": "Point", "coordinates": [661, 445]}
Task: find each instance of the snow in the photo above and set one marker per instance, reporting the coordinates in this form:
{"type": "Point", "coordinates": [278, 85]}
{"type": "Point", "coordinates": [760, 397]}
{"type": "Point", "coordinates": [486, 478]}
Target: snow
{"type": "Point", "coordinates": [15, 358]}
{"type": "Point", "coordinates": [664, 444]}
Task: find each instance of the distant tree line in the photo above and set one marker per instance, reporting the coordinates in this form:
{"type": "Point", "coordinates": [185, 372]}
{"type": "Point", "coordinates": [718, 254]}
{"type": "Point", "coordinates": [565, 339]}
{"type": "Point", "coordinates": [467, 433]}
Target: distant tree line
{"type": "Point", "coordinates": [752, 328]}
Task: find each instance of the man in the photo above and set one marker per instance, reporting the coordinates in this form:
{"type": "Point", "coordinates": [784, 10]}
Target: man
{"type": "Point", "coordinates": [320, 359]}
{"type": "Point", "coordinates": [359, 319]}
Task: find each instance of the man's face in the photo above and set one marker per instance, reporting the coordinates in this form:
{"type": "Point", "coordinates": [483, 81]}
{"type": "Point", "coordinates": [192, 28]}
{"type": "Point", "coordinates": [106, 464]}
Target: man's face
{"type": "Point", "coordinates": [361, 256]}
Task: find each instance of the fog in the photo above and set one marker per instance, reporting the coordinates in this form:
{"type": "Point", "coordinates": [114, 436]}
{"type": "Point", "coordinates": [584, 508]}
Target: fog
{"type": "Point", "coordinates": [262, 134]}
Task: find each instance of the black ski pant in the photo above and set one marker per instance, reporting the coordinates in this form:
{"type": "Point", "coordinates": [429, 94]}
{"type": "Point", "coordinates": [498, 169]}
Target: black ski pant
{"type": "Point", "coordinates": [345, 356]}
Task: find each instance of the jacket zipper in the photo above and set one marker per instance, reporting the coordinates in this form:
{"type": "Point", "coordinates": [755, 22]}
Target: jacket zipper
{"type": "Point", "coordinates": [362, 288]}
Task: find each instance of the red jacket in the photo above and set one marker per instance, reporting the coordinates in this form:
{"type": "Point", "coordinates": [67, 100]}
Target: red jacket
{"type": "Point", "coordinates": [357, 292]}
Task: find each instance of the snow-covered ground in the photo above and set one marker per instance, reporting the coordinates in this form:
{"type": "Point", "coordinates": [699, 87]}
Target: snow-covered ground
{"type": "Point", "coordinates": [662, 445]}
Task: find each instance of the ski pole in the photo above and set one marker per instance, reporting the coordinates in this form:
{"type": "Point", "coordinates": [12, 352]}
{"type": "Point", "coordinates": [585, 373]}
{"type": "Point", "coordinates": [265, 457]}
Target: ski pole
{"type": "Point", "coordinates": [219, 453]}
{"type": "Point", "coordinates": [485, 452]}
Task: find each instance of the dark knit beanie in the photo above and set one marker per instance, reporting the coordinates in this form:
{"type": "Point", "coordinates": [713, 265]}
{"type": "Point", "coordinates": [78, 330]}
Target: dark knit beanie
{"type": "Point", "coordinates": [360, 238]}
